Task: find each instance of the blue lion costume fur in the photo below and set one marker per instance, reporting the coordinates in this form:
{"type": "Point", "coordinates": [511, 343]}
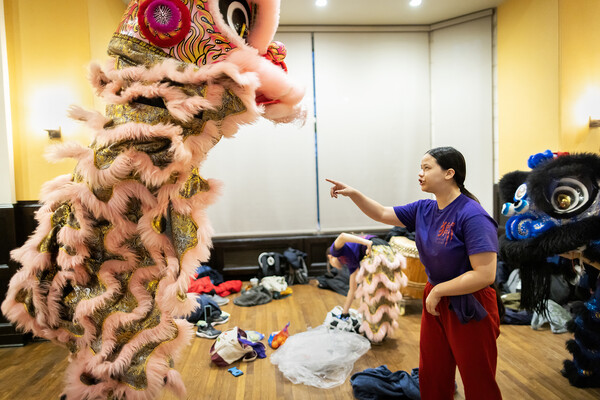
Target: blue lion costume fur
{"type": "Point", "coordinates": [555, 209]}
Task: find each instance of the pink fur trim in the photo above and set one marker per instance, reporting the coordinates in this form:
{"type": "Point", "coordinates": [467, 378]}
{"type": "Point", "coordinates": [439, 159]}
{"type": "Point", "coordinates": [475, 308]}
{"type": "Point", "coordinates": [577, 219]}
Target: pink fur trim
{"type": "Point", "coordinates": [70, 149]}
{"type": "Point", "coordinates": [119, 90]}
{"type": "Point", "coordinates": [384, 330]}
{"type": "Point", "coordinates": [175, 383]}
{"type": "Point", "coordinates": [93, 119]}
{"type": "Point", "coordinates": [157, 370]}
{"type": "Point", "coordinates": [283, 113]}
{"type": "Point", "coordinates": [381, 293]}
{"type": "Point", "coordinates": [384, 310]}
{"type": "Point", "coordinates": [263, 31]}
{"type": "Point", "coordinates": [157, 189]}
{"type": "Point", "coordinates": [370, 264]}
{"type": "Point", "coordinates": [394, 285]}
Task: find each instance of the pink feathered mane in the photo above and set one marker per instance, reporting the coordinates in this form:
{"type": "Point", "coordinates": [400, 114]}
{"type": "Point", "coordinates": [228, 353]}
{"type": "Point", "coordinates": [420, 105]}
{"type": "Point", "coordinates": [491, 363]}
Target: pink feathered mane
{"type": "Point", "coordinates": [107, 270]}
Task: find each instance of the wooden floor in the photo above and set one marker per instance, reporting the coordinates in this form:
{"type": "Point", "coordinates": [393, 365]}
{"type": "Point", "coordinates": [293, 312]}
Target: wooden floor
{"type": "Point", "coordinates": [528, 367]}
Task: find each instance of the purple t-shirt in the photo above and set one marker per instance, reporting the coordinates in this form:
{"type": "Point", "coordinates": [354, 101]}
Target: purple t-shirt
{"type": "Point", "coordinates": [350, 254]}
{"type": "Point", "coordinates": [446, 238]}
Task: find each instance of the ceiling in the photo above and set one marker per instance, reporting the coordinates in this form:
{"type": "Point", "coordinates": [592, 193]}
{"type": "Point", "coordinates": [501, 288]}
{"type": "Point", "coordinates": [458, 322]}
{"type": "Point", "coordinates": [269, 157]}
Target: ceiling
{"type": "Point", "coordinates": [378, 12]}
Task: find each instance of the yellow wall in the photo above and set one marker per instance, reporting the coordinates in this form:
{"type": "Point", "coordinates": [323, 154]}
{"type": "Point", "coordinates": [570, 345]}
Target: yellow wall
{"type": "Point", "coordinates": [528, 75]}
{"type": "Point", "coordinates": [548, 77]}
{"type": "Point", "coordinates": [579, 73]}
{"type": "Point", "coordinates": [49, 45]}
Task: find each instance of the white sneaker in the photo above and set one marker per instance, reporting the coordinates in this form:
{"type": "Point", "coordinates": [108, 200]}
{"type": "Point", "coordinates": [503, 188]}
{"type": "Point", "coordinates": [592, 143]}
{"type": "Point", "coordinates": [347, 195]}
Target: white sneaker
{"type": "Point", "coordinates": [207, 331]}
{"type": "Point", "coordinates": [221, 301]}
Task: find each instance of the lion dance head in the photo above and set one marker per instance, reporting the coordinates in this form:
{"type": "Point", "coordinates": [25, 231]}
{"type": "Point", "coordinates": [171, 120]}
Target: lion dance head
{"type": "Point", "coordinates": [554, 209]}
{"type": "Point", "coordinates": [106, 271]}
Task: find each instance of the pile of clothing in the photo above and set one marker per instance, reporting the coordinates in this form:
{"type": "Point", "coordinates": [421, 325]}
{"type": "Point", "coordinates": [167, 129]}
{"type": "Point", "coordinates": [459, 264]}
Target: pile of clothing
{"type": "Point", "coordinates": [207, 280]}
{"type": "Point", "coordinates": [269, 288]}
{"type": "Point", "coordinates": [556, 313]}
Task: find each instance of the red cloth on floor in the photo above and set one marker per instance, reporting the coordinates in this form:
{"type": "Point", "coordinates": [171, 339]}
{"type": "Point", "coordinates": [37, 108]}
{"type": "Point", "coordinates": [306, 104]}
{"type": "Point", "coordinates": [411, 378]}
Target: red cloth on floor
{"type": "Point", "coordinates": [204, 285]}
{"type": "Point", "coordinates": [228, 287]}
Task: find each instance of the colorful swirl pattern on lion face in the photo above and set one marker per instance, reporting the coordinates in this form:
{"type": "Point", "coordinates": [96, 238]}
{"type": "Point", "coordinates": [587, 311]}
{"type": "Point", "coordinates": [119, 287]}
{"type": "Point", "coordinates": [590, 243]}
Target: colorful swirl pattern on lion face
{"type": "Point", "coordinates": [380, 279]}
{"type": "Point", "coordinates": [555, 209]}
{"type": "Point", "coordinates": [107, 269]}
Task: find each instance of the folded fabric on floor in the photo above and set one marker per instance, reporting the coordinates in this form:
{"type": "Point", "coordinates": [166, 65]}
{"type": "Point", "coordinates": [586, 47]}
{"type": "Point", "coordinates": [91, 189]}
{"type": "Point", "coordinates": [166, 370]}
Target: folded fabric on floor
{"type": "Point", "coordinates": [555, 315]}
{"type": "Point", "coordinates": [204, 285]}
{"type": "Point", "coordinates": [274, 283]}
{"type": "Point", "coordinates": [215, 277]}
{"type": "Point", "coordinates": [512, 317]}
{"type": "Point", "coordinates": [254, 296]}
{"type": "Point", "coordinates": [512, 301]}
{"type": "Point", "coordinates": [338, 282]}
{"type": "Point", "coordinates": [381, 383]}
{"type": "Point", "coordinates": [257, 346]}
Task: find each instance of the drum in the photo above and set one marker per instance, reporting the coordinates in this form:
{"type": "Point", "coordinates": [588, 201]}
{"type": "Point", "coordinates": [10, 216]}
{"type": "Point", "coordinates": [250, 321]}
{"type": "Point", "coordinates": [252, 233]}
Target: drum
{"type": "Point", "coordinates": [415, 271]}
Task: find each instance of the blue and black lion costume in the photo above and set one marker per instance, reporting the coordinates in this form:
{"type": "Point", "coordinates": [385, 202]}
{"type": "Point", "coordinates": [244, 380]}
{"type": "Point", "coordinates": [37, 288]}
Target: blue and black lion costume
{"type": "Point", "coordinates": [554, 209]}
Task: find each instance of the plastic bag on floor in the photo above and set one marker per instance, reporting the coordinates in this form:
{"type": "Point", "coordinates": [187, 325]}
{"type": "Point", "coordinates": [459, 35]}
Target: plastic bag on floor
{"type": "Point", "coordinates": [320, 357]}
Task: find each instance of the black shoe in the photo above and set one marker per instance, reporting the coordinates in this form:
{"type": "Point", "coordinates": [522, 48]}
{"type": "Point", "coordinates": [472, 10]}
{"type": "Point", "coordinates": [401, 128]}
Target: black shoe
{"type": "Point", "coordinates": [207, 331]}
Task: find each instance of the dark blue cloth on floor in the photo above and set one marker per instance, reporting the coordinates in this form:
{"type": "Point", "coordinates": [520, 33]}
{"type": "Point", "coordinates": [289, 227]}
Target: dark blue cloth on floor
{"type": "Point", "coordinates": [382, 384]}
{"type": "Point", "coordinates": [512, 317]}
{"type": "Point", "coordinates": [215, 277]}
{"type": "Point", "coordinates": [257, 346]}
{"type": "Point", "coordinates": [338, 281]}
{"type": "Point", "coordinates": [198, 313]}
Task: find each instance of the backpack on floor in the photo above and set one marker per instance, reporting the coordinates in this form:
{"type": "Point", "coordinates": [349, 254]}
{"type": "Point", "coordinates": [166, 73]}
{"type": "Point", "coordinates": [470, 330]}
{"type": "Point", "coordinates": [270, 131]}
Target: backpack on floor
{"type": "Point", "coordinates": [271, 264]}
{"type": "Point", "coordinates": [298, 272]}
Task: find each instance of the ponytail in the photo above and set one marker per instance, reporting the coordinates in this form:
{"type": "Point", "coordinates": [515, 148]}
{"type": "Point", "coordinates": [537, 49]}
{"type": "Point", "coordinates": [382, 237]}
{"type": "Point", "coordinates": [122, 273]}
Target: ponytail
{"type": "Point", "coordinates": [470, 195]}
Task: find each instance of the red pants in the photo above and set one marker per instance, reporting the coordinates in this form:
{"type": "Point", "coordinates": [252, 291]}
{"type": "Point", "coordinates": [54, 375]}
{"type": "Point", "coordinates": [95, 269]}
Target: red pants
{"type": "Point", "coordinates": [446, 343]}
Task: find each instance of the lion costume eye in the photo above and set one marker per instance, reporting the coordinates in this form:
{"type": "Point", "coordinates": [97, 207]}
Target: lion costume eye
{"type": "Point", "coordinates": [237, 15]}
{"type": "Point", "coordinates": [521, 192]}
{"type": "Point", "coordinates": [569, 197]}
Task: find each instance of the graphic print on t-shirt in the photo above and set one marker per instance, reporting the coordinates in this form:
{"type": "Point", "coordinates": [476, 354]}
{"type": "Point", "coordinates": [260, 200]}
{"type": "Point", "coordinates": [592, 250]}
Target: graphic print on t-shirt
{"type": "Point", "coordinates": [445, 233]}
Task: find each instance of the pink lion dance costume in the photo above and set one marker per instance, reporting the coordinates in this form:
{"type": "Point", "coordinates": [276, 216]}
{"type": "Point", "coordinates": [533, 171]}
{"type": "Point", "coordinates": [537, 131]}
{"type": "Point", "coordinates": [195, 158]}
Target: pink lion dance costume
{"type": "Point", "coordinates": [380, 279]}
{"type": "Point", "coordinates": [106, 271]}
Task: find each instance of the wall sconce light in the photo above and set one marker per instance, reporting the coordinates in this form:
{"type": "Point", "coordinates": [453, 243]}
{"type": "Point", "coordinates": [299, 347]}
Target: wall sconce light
{"type": "Point", "coordinates": [594, 123]}
{"type": "Point", "coordinates": [54, 133]}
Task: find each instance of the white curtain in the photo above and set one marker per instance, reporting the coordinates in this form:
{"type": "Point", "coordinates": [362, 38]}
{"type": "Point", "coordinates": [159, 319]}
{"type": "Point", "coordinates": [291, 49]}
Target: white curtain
{"type": "Point", "coordinates": [462, 100]}
{"type": "Point", "coordinates": [382, 100]}
{"type": "Point", "coordinates": [372, 96]}
{"type": "Point", "coordinates": [268, 170]}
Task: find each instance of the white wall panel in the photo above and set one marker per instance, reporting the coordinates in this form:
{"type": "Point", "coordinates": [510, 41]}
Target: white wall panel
{"type": "Point", "coordinates": [382, 99]}
{"type": "Point", "coordinates": [268, 170]}
{"type": "Point", "coordinates": [373, 119]}
{"type": "Point", "coordinates": [7, 180]}
{"type": "Point", "coordinates": [462, 100]}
